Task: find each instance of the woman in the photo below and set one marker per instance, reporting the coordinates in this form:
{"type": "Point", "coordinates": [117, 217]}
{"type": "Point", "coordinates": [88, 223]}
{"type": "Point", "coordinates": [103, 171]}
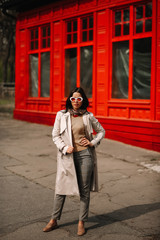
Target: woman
{"type": "Point", "coordinates": [76, 158]}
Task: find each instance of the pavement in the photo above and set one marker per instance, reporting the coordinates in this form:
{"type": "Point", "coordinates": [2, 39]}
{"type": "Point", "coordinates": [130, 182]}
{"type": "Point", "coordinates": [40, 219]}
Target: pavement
{"type": "Point", "coordinates": [127, 206]}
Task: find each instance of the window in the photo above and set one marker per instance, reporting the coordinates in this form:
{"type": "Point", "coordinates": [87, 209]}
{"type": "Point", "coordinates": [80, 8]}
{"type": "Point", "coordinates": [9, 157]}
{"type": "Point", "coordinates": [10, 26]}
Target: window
{"type": "Point", "coordinates": [39, 62]}
{"type": "Point", "coordinates": [120, 68]}
{"type": "Point", "coordinates": [79, 54]}
{"type": "Point", "coordinates": [131, 52]}
{"type": "Point", "coordinates": [34, 39]}
{"type": "Point", "coordinates": [70, 69]}
{"type": "Point", "coordinates": [71, 32]}
{"type": "Point", "coordinates": [87, 29]}
{"type": "Point", "coordinates": [121, 22]}
{"type": "Point", "coordinates": [33, 60]}
{"type": "Point", "coordinates": [45, 33]}
{"type": "Point", "coordinates": [143, 18]}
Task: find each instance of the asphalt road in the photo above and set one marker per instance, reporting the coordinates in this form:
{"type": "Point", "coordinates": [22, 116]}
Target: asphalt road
{"type": "Point", "coordinates": [127, 206]}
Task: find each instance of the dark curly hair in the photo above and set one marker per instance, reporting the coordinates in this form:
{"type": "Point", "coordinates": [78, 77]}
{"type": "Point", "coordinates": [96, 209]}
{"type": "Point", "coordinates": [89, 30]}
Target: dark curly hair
{"type": "Point", "coordinates": [85, 102]}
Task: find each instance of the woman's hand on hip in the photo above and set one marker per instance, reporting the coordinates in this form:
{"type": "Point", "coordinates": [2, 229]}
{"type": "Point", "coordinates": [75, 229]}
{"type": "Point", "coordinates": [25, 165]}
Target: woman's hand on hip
{"type": "Point", "coordinates": [70, 149]}
{"type": "Point", "coordinates": [85, 142]}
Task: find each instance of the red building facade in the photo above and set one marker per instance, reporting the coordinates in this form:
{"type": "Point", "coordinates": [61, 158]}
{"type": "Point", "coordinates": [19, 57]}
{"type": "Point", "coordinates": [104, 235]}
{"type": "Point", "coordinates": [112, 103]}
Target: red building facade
{"type": "Point", "coordinates": [110, 48]}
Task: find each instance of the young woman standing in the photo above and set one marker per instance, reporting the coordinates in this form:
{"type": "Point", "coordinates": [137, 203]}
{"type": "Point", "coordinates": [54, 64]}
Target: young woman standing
{"type": "Point", "coordinates": [76, 158]}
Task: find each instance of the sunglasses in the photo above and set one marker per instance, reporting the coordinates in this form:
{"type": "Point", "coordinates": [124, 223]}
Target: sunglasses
{"type": "Point", "coordinates": [73, 99]}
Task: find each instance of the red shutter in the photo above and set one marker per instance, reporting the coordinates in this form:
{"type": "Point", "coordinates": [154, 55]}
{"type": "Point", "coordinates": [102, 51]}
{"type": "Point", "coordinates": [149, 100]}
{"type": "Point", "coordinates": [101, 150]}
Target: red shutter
{"type": "Point", "coordinates": [21, 69]}
{"type": "Point", "coordinates": [101, 91]}
{"type": "Point", "coordinates": [57, 71]}
{"type": "Point", "coordinates": [158, 66]}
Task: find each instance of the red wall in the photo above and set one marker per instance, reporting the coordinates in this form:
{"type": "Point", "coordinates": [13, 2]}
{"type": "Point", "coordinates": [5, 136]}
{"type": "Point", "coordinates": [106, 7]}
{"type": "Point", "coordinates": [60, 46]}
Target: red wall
{"type": "Point", "coordinates": [136, 123]}
{"type": "Point", "coordinates": [157, 96]}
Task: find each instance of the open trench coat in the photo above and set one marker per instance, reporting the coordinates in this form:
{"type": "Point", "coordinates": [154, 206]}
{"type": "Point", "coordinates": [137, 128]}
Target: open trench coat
{"type": "Point", "coordinates": [66, 179]}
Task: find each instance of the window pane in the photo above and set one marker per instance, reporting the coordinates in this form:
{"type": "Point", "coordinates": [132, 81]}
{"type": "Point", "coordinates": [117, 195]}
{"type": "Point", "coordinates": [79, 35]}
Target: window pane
{"type": "Point", "coordinates": [148, 10]}
{"type": "Point", "coordinates": [74, 37]}
{"type": "Point", "coordinates": [48, 32]}
{"type": "Point", "coordinates": [120, 69]}
{"type": "Point", "coordinates": [118, 17]}
{"type": "Point", "coordinates": [139, 27]}
{"type": "Point", "coordinates": [44, 43]}
{"type": "Point", "coordinates": [69, 27]}
{"type": "Point", "coordinates": [32, 45]}
{"type": "Point", "coordinates": [36, 44]}
{"type": "Point", "coordinates": [44, 32]}
{"type": "Point", "coordinates": [91, 22]}
{"type": "Point", "coordinates": [69, 38]}
{"type": "Point", "coordinates": [126, 29]}
{"type": "Point", "coordinates": [126, 15]}
{"type": "Point", "coordinates": [75, 26]}
{"type": "Point", "coordinates": [148, 25]}
{"type": "Point", "coordinates": [142, 68]}
{"type": "Point", "coordinates": [86, 62]}
{"type": "Point", "coordinates": [32, 34]}
{"type": "Point", "coordinates": [84, 36]}
{"type": "Point", "coordinates": [84, 23]}
{"type": "Point", "coordinates": [90, 35]}
{"type": "Point", "coordinates": [33, 84]}
{"type": "Point", "coordinates": [45, 74]}
{"type": "Point", "coordinates": [139, 12]}
{"type": "Point", "coordinates": [70, 70]}
{"type": "Point", "coordinates": [36, 33]}
{"type": "Point", "coordinates": [118, 30]}
{"type": "Point", "coordinates": [48, 42]}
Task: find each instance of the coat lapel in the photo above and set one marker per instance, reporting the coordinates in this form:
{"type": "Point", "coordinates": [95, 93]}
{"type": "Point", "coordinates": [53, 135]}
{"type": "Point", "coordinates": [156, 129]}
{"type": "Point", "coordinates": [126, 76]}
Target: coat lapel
{"type": "Point", "coordinates": [66, 124]}
{"type": "Point", "coordinates": [63, 124]}
{"type": "Point", "coordinates": [88, 126]}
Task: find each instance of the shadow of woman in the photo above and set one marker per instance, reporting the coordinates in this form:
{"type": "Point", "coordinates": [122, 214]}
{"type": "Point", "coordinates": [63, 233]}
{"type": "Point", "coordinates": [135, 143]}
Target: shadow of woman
{"type": "Point", "coordinates": [119, 215]}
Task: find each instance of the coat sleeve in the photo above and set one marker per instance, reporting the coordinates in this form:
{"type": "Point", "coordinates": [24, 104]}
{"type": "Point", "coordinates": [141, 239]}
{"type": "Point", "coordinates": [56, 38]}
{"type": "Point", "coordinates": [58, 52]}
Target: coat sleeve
{"type": "Point", "coordinates": [98, 129]}
{"type": "Point", "coordinates": [56, 136]}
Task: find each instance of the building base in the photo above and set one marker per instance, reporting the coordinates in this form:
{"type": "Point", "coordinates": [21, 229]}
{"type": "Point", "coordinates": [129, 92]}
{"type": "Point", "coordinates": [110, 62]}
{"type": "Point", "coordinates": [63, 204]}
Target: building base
{"type": "Point", "coordinates": [145, 134]}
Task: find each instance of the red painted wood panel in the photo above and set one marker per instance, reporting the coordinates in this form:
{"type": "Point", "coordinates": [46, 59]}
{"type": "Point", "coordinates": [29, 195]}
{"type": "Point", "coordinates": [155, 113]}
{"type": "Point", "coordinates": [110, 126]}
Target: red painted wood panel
{"type": "Point", "coordinates": [33, 17]}
{"type": "Point", "coordinates": [117, 112]}
{"type": "Point", "coordinates": [34, 116]}
{"type": "Point", "coordinates": [45, 14]}
{"type": "Point", "coordinates": [57, 66]}
{"type": "Point", "coordinates": [135, 131]}
{"type": "Point", "coordinates": [140, 114]}
{"type": "Point", "coordinates": [101, 91]}
{"type": "Point", "coordinates": [21, 63]}
{"type": "Point", "coordinates": [128, 140]}
{"type": "Point", "coordinates": [86, 4]}
{"type": "Point", "coordinates": [69, 8]}
{"type": "Point", "coordinates": [158, 64]}
{"type": "Point", "coordinates": [102, 2]}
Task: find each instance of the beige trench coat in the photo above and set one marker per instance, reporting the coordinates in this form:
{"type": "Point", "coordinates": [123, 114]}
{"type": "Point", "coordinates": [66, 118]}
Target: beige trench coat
{"type": "Point", "coordinates": [66, 179]}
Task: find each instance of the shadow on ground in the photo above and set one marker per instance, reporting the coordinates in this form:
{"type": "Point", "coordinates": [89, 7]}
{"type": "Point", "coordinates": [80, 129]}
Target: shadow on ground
{"type": "Point", "coordinates": [119, 215]}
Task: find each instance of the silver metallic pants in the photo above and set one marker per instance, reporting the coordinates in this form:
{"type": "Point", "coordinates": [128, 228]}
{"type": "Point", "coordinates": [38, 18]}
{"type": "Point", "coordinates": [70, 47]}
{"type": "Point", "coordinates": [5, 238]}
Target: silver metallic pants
{"type": "Point", "coordinates": [84, 166]}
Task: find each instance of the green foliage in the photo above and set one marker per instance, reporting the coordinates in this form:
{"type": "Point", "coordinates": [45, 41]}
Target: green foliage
{"type": "Point", "coordinates": [6, 101]}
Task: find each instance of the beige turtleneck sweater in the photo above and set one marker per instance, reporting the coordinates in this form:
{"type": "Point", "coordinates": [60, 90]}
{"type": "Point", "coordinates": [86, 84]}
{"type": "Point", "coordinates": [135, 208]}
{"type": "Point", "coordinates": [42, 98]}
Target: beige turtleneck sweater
{"type": "Point", "coordinates": [78, 132]}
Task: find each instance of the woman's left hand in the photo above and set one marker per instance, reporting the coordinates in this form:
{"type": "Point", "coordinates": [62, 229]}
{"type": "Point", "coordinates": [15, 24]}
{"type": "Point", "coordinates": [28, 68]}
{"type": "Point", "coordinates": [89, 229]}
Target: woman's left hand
{"type": "Point", "coordinates": [85, 142]}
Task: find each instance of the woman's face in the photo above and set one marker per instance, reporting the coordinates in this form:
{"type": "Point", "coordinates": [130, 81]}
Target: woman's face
{"type": "Point", "coordinates": [76, 104]}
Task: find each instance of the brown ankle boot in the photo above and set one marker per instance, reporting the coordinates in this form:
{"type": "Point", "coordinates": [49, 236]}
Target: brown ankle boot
{"type": "Point", "coordinates": [81, 230]}
{"type": "Point", "coordinates": [50, 226]}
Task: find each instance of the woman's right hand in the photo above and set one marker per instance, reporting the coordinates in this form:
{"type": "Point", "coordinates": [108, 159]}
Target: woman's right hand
{"type": "Point", "coordinates": [70, 149]}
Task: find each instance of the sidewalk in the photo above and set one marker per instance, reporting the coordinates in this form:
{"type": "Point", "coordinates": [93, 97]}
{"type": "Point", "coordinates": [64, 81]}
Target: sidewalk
{"type": "Point", "coordinates": [127, 206]}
